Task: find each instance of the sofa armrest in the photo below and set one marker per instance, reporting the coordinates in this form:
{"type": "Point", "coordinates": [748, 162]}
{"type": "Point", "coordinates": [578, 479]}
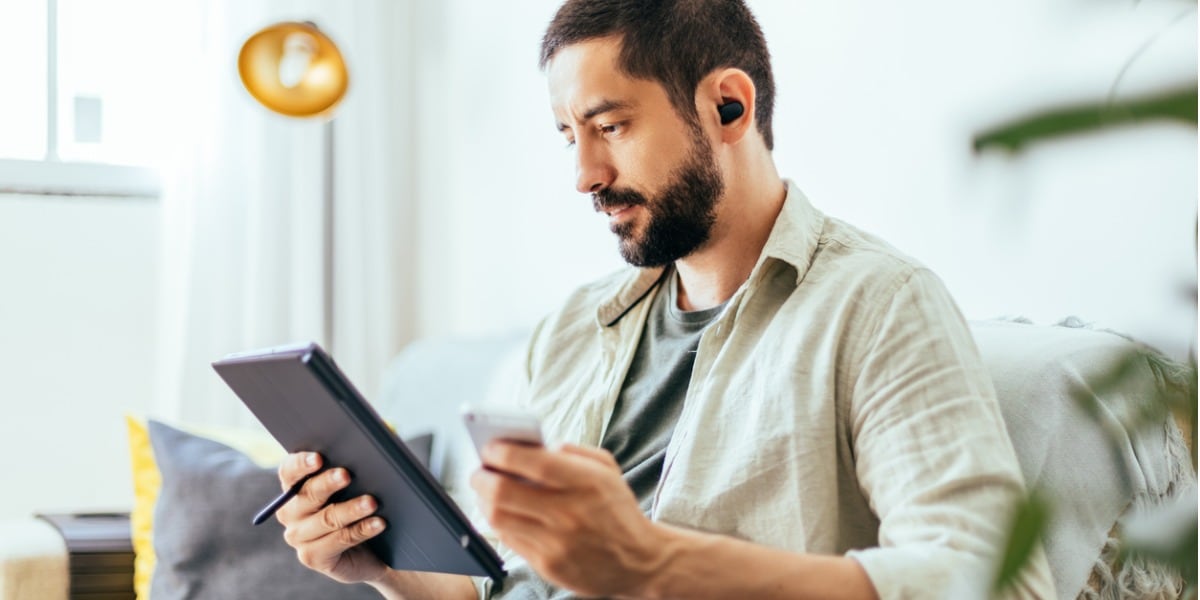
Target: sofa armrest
{"type": "Point", "coordinates": [33, 561]}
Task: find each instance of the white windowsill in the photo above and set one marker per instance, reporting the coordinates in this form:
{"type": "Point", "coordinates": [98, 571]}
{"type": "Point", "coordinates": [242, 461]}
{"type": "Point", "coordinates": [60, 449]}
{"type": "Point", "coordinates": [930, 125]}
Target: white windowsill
{"type": "Point", "coordinates": [77, 179]}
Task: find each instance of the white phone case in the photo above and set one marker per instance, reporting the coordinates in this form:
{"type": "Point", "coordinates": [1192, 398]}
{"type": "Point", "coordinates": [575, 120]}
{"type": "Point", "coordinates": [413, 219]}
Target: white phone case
{"type": "Point", "coordinates": [485, 424]}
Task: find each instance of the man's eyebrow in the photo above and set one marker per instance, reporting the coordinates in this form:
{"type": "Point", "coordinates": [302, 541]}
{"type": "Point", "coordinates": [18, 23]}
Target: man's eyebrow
{"type": "Point", "coordinates": [603, 107]}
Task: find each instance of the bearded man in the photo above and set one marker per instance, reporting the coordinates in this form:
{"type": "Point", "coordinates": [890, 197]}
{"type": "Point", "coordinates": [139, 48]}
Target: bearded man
{"type": "Point", "coordinates": [769, 404]}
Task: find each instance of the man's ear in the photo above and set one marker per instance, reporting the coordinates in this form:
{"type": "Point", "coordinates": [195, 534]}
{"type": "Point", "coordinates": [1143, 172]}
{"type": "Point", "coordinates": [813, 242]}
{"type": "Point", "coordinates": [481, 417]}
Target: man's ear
{"type": "Point", "coordinates": [726, 99]}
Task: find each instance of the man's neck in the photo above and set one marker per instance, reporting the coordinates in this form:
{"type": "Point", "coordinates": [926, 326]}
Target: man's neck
{"type": "Point", "coordinates": [745, 216]}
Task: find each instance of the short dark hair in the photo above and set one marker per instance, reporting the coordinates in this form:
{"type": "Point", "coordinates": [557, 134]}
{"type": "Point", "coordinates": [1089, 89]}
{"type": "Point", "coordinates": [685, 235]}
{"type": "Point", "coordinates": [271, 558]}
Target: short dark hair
{"type": "Point", "coordinates": [673, 42]}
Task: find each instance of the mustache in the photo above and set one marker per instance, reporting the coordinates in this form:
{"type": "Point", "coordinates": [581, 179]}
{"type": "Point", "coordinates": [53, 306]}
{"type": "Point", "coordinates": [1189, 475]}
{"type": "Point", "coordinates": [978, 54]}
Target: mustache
{"type": "Point", "coordinates": [609, 198]}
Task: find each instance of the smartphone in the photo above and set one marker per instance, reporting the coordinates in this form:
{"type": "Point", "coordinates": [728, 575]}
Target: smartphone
{"type": "Point", "coordinates": [485, 423]}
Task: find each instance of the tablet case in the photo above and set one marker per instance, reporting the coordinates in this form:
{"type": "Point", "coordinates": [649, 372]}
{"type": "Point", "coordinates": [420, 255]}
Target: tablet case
{"type": "Point", "coordinates": [307, 404]}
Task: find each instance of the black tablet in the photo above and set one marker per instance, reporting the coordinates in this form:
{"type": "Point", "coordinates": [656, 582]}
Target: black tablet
{"type": "Point", "coordinates": [307, 404]}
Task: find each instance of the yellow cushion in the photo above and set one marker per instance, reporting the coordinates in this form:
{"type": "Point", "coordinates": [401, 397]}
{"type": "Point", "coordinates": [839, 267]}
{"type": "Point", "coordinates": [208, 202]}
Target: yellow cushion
{"type": "Point", "coordinates": [258, 445]}
{"type": "Point", "coordinates": [146, 482]}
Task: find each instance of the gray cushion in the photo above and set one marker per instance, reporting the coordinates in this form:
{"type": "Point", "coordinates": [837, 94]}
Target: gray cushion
{"type": "Point", "coordinates": [205, 544]}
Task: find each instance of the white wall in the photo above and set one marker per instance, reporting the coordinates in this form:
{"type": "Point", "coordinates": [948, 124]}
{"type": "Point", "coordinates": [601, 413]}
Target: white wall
{"type": "Point", "coordinates": [502, 234]}
{"type": "Point", "coordinates": [78, 292]}
{"type": "Point", "coordinates": [876, 113]}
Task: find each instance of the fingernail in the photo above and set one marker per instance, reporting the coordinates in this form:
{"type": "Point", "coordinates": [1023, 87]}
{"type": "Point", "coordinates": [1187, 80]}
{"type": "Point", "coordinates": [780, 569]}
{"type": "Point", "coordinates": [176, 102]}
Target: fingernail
{"type": "Point", "coordinates": [311, 459]}
{"type": "Point", "coordinates": [339, 476]}
{"type": "Point", "coordinates": [365, 503]}
{"type": "Point", "coordinates": [375, 524]}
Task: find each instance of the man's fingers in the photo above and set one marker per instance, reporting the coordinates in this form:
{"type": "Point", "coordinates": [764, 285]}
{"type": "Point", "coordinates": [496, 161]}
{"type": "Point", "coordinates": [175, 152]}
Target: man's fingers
{"type": "Point", "coordinates": [502, 494]}
{"type": "Point", "coordinates": [329, 519]}
{"type": "Point", "coordinates": [599, 455]}
{"type": "Point", "coordinates": [522, 540]}
{"type": "Point", "coordinates": [313, 495]}
{"type": "Point", "coordinates": [536, 464]}
{"type": "Point", "coordinates": [296, 466]}
{"type": "Point", "coordinates": [321, 553]}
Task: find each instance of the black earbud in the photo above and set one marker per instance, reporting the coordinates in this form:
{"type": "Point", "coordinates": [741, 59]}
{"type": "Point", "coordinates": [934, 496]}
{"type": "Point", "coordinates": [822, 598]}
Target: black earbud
{"type": "Point", "coordinates": [730, 111]}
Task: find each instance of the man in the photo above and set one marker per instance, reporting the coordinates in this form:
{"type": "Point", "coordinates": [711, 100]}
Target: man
{"type": "Point", "coordinates": [771, 405]}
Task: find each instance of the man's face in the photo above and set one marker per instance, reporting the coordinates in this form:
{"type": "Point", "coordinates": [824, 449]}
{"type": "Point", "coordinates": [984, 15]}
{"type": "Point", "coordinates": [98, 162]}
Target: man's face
{"type": "Point", "coordinates": [652, 173]}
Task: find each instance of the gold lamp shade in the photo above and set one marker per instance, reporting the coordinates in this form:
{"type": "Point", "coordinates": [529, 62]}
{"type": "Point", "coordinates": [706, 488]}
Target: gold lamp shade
{"type": "Point", "coordinates": [293, 69]}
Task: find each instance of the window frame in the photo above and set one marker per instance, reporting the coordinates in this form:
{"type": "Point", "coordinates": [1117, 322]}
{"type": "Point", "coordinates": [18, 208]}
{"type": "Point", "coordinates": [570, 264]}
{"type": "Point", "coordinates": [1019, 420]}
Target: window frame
{"type": "Point", "coordinates": [51, 176]}
{"type": "Point", "coordinates": [56, 178]}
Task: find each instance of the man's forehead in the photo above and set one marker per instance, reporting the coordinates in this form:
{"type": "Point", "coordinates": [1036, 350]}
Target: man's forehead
{"type": "Point", "coordinates": [585, 78]}
{"type": "Point", "coordinates": [592, 53]}
{"type": "Point", "coordinates": [585, 74]}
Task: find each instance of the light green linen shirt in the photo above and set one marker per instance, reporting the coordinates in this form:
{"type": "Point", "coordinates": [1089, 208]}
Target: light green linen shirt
{"type": "Point", "coordinates": [838, 405]}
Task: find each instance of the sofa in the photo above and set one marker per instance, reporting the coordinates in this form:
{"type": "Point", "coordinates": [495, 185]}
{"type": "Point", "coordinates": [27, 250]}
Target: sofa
{"type": "Point", "coordinates": [1078, 436]}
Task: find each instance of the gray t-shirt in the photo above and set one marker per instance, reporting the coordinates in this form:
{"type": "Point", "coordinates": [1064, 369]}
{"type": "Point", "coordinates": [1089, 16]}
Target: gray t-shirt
{"type": "Point", "coordinates": [644, 417]}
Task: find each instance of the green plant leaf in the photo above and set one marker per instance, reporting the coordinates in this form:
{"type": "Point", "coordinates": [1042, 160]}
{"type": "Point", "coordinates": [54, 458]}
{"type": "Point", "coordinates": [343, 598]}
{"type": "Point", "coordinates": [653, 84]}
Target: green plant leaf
{"type": "Point", "coordinates": [1028, 524]}
{"type": "Point", "coordinates": [1174, 105]}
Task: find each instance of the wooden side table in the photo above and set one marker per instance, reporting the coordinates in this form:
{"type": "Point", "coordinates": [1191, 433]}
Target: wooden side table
{"type": "Point", "coordinates": [99, 554]}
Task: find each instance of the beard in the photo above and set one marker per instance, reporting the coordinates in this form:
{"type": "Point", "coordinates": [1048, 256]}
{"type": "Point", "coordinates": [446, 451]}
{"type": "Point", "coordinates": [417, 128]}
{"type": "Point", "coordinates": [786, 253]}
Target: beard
{"type": "Point", "coordinates": [679, 219]}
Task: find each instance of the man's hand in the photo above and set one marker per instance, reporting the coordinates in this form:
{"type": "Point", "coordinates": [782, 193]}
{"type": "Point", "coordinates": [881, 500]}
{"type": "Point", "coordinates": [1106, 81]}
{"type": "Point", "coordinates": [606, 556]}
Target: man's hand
{"type": "Point", "coordinates": [328, 539]}
{"type": "Point", "coordinates": [571, 515]}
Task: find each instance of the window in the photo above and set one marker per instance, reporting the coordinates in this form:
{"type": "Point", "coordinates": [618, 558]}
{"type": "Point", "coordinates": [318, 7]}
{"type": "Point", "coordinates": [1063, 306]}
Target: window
{"type": "Point", "coordinates": [23, 101]}
{"type": "Point", "coordinates": [79, 110]}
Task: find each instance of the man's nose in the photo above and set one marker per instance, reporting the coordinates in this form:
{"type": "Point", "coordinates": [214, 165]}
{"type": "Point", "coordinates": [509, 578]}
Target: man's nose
{"type": "Point", "coordinates": [593, 170]}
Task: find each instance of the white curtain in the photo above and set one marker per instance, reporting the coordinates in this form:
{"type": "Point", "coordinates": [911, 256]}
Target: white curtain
{"type": "Point", "coordinates": [242, 260]}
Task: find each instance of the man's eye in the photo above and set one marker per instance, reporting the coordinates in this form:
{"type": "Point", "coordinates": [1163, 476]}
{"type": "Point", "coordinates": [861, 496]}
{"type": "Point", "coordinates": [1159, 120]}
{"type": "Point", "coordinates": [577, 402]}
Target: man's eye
{"type": "Point", "coordinates": [607, 129]}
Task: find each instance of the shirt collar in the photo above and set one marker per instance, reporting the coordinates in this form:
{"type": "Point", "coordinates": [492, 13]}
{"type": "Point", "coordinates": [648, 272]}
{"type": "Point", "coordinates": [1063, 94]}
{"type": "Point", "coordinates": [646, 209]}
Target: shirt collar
{"type": "Point", "coordinates": [793, 240]}
{"type": "Point", "coordinates": [629, 295]}
{"type": "Point", "coordinates": [796, 232]}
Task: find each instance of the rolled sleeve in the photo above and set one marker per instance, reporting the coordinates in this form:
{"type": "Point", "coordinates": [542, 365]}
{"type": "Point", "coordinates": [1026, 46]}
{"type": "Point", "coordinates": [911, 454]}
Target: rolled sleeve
{"type": "Point", "coordinates": [932, 455]}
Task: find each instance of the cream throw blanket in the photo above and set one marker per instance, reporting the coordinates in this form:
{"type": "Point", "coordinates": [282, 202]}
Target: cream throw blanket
{"type": "Point", "coordinates": [1091, 483]}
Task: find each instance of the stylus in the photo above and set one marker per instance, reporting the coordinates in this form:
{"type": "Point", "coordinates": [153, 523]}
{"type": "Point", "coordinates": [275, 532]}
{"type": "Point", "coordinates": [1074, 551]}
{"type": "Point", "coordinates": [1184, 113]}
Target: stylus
{"type": "Point", "coordinates": [280, 500]}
